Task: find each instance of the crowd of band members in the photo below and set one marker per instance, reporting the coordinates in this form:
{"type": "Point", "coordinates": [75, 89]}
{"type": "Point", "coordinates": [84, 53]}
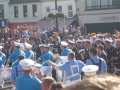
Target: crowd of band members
{"type": "Point", "coordinates": [108, 45]}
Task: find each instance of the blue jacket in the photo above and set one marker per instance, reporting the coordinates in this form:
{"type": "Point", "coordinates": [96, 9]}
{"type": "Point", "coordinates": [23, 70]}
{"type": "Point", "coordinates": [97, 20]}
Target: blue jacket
{"type": "Point", "coordinates": [28, 82]}
{"type": "Point", "coordinates": [96, 60]}
{"type": "Point", "coordinates": [16, 72]}
{"type": "Point", "coordinates": [3, 56]}
{"type": "Point", "coordinates": [46, 56]}
{"type": "Point", "coordinates": [29, 54]}
{"type": "Point", "coordinates": [72, 67]}
{"type": "Point", "coordinates": [65, 51]}
{"type": "Point", "coordinates": [15, 55]}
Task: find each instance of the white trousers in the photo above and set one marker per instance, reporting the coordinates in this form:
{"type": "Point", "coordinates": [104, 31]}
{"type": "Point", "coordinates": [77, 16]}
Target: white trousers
{"type": "Point", "coordinates": [47, 71]}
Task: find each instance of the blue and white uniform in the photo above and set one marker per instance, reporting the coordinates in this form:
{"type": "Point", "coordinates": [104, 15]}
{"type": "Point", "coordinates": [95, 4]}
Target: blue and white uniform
{"type": "Point", "coordinates": [46, 68]}
{"type": "Point", "coordinates": [3, 56]}
{"type": "Point", "coordinates": [29, 54]}
{"type": "Point", "coordinates": [1, 63]}
{"type": "Point", "coordinates": [72, 69]}
{"type": "Point", "coordinates": [28, 82]}
{"type": "Point", "coordinates": [14, 56]}
{"type": "Point", "coordinates": [16, 72]}
{"type": "Point", "coordinates": [65, 51]}
{"type": "Point", "coordinates": [96, 59]}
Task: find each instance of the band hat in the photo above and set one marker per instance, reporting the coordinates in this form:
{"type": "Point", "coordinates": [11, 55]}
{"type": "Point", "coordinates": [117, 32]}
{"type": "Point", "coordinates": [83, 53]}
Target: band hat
{"type": "Point", "coordinates": [46, 46]}
{"type": "Point", "coordinates": [27, 64]}
{"type": "Point", "coordinates": [37, 65]}
{"type": "Point", "coordinates": [72, 42]}
{"type": "Point", "coordinates": [41, 45]}
{"type": "Point", "coordinates": [79, 41]}
{"type": "Point", "coordinates": [50, 44]}
{"type": "Point", "coordinates": [100, 35]}
{"type": "Point", "coordinates": [98, 39]}
{"type": "Point", "coordinates": [108, 40]}
{"type": "Point", "coordinates": [87, 40]}
{"type": "Point", "coordinates": [90, 70]}
{"type": "Point", "coordinates": [1, 47]}
{"type": "Point", "coordinates": [70, 36]}
{"type": "Point", "coordinates": [81, 50]}
{"type": "Point", "coordinates": [17, 43]}
{"type": "Point", "coordinates": [64, 43]}
{"type": "Point", "coordinates": [27, 45]}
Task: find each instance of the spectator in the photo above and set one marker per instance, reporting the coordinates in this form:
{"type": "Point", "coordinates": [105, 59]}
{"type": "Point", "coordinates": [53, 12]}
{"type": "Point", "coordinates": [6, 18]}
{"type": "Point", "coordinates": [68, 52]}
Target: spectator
{"type": "Point", "coordinates": [56, 86]}
{"type": "Point", "coordinates": [98, 83]}
{"type": "Point", "coordinates": [46, 82]}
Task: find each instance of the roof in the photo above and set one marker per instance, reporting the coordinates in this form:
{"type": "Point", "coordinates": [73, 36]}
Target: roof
{"type": "Point", "coordinates": [22, 1]}
{"type": "Point", "coordinates": [27, 1]}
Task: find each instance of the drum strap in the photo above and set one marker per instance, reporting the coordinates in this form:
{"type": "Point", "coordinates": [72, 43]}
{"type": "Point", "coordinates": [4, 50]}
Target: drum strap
{"type": "Point", "coordinates": [1, 55]}
{"type": "Point", "coordinates": [77, 68]}
{"type": "Point", "coordinates": [98, 64]}
{"type": "Point", "coordinates": [30, 55]}
{"type": "Point", "coordinates": [16, 71]}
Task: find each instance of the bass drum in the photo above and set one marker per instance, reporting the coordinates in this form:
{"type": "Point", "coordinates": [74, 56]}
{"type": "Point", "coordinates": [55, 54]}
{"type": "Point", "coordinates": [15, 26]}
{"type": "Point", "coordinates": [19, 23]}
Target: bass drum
{"type": "Point", "coordinates": [1, 80]}
{"type": "Point", "coordinates": [5, 73]}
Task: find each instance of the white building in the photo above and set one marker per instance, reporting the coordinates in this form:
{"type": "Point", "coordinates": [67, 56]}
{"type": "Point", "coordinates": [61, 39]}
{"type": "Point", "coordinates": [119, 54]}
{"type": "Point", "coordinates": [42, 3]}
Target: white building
{"type": "Point", "coordinates": [101, 15]}
{"type": "Point", "coordinates": [4, 12]}
{"type": "Point", "coordinates": [33, 10]}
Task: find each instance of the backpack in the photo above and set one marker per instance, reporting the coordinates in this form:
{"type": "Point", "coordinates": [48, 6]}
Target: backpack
{"type": "Point", "coordinates": [97, 64]}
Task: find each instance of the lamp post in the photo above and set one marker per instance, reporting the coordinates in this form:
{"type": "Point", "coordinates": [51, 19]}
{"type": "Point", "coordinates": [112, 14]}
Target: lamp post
{"type": "Point", "coordinates": [56, 18]}
{"type": "Point", "coordinates": [77, 19]}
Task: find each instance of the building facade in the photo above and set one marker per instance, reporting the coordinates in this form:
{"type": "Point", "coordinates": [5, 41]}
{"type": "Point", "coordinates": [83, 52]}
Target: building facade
{"type": "Point", "coordinates": [99, 15]}
{"type": "Point", "coordinates": [31, 11]}
{"type": "Point", "coordinates": [4, 12]}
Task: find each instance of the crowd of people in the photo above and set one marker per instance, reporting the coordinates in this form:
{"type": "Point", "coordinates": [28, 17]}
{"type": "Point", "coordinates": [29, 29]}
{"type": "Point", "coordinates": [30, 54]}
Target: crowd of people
{"type": "Point", "coordinates": [40, 59]}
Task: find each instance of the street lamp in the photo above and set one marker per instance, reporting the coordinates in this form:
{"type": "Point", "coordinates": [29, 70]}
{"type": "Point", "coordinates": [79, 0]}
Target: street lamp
{"type": "Point", "coordinates": [56, 18]}
{"type": "Point", "coordinates": [77, 19]}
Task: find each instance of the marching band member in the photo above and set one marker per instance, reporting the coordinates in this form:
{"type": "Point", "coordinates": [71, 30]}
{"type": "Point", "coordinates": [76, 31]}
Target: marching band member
{"type": "Point", "coordinates": [2, 56]}
{"type": "Point", "coordinates": [72, 68]}
{"type": "Point", "coordinates": [15, 55]}
{"type": "Point", "coordinates": [1, 63]}
{"type": "Point", "coordinates": [46, 56]}
{"type": "Point", "coordinates": [17, 70]}
{"type": "Point", "coordinates": [64, 48]}
{"type": "Point", "coordinates": [95, 60]}
{"type": "Point", "coordinates": [28, 52]}
{"type": "Point", "coordinates": [27, 81]}
{"type": "Point", "coordinates": [90, 71]}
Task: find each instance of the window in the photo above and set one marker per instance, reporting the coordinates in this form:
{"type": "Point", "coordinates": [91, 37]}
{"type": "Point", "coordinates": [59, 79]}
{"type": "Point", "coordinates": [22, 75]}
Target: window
{"type": "Point", "coordinates": [102, 4]}
{"type": "Point", "coordinates": [96, 3]}
{"type": "Point", "coordinates": [25, 13]}
{"type": "Point", "coordinates": [60, 9]}
{"type": "Point", "coordinates": [48, 9]}
{"type": "Point", "coordinates": [116, 3]}
{"type": "Point", "coordinates": [34, 8]}
{"type": "Point", "coordinates": [70, 11]}
{"type": "Point", "coordinates": [1, 12]}
{"type": "Point", "coordinates": [70, 7]}
{"type": "Point", "coordinates": [16, 11]}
